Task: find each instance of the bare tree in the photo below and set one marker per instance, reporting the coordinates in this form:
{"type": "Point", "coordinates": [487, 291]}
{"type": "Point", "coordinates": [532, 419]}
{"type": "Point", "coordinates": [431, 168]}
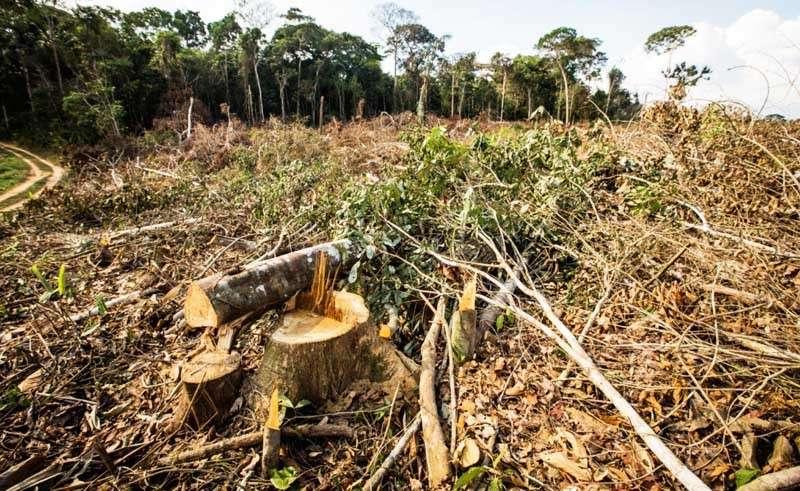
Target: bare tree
{"type": "Point", "coordinates": [388, 17]}
{"type": "Point", "coordinates": [256, 14]}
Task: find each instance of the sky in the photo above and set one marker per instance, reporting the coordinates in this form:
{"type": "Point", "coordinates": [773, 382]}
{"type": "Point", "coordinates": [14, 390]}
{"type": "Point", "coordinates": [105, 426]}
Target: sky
{"type": "Point", "coordinates": [752, 47]}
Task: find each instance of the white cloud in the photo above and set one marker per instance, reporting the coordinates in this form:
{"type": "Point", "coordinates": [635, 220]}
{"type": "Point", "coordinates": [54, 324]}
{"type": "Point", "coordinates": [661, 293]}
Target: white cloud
{"type": "Point", "coordinates": [755, 61]}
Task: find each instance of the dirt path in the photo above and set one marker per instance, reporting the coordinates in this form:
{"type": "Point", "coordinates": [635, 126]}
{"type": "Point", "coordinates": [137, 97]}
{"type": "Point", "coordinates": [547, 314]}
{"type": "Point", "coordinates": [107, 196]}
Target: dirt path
{"type": "Point", "coordinates": [53, 176]}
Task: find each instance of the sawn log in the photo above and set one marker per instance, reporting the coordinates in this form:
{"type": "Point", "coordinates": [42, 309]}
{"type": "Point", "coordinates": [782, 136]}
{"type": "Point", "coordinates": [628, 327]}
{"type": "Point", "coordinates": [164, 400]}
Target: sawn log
{"type": "Point", "coordinates": [220, 298]}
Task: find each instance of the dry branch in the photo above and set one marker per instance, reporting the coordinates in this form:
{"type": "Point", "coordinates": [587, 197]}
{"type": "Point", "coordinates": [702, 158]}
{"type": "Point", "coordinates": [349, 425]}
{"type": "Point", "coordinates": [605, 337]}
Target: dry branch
{"type": "Point", "coordinates": [436, 454]}
{"type": "Point", "coordinates": [255, 438]}
{"type": "Point", "coordinates": [121, 300]}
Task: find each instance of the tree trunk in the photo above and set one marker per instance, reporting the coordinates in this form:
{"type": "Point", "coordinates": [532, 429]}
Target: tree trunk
{"type": "Point", "coordinates": [282, 83]}
{"type": "Point", "coordinates": [299, 78]}
{"type": "Point", "coordinates": [189, 118]}
{"type": "Point", "coordinates": [258, 85]}
{"type": "Point", "coordinates": [216, 299]}
{"type": "Point", "coordinates": [394, 85]}
{"type": "Point", "coordinates": [436, 454]}
{"type": "Point", "coordinates": [321, 120]}
{"type": "Point", "coordinates": [566, 93]}
{"type": "Point", "coordinates": [423, 96]}
{"type": "Point", "coordinates": [28, 86]}
{"type": "Point", "coordinates": [503, 96]}
{"type": "Point", "coordinates": [529, 102]}
{"type": "Point", "coordinates": [5, 117]}
{"type": "Point", "coordinates": [452, 94]}
{"type": "Point", "coordinates": [461, 98]}
{"type": "Point", "coordinates": [56, 60]}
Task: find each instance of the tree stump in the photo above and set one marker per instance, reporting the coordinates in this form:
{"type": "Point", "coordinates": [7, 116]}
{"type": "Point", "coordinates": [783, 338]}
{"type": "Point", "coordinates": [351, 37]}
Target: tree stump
{"type": "Point", "coordinates": [210, 384]}
{"type": "Point", "coordinates": [315, 356]}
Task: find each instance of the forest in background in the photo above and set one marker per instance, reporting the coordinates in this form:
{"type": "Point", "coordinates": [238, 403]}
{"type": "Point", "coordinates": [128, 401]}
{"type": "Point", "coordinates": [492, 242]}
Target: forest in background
{"type": "Point", "coordinates": [82, 74]}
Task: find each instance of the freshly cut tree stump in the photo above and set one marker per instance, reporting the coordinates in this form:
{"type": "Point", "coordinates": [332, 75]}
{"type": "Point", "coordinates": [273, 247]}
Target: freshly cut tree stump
{"type": "Point", "coordinates": [315, 356]}
{"type": "Point", "coordinates": [220, 298]}
{"type": "Point", "coordinates": [210, 384]}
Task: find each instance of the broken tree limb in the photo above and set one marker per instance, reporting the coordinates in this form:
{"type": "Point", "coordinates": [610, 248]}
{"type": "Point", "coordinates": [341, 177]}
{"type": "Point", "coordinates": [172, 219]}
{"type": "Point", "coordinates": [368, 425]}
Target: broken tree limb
{"type": "Point", "coordinates": [436, 454]}
{"type": "Point", "coordinates": [219, 298]}
{"type": "Point", "coordinates": [121, 300]}
{"type": "Point", "coordinates": [375, 480]}
{"type": "Point", "coordinates": [776, 481]}
{"type": "Point", "coordinates": [255, 438]}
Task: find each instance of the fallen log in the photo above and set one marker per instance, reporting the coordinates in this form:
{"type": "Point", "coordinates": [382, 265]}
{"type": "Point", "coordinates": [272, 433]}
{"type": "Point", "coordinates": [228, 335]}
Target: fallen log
{"type": "Point", "coordinates": [220, 298]}
{"type": "Point", "coordinates": [437, 457]}
{"type": "Point", "coordinates": [255, 438]}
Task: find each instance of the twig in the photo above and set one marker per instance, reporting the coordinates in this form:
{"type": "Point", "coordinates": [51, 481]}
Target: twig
{"type": "Point", "coordinates": [248, 471]}
{"type": "Point", "coordinates": [666, 266]}
{"type": "Point", "coordinates": [375, 480]}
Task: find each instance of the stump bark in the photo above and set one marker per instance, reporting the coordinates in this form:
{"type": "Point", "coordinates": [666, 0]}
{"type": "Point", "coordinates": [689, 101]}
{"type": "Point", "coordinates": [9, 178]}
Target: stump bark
{"type": "Point", "coordinates": [315, 356]}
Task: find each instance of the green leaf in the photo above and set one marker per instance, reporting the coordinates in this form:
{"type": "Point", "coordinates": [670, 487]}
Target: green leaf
{"type": "Point", "coordinates": [285, 401]}
{"type": "Point", "coordinates": [39, 276]}
{"type": "Point", "coordinates": [302, 403]}
{"type": "Point", "coordinates": [100, 303]}
{"type": "Point", "coordinates": [466, 478]}
{"type": "Point", "coordinates": [499, 322]}
{"type": "Point", "coordinates": [370, 251]}
{"type": "Point", "coordinates": [62, 280]}
{"type": "Point", "coordinates": [283, 478]}
{"type": "Point", "coordinates": [496, 485]}
{"type": "Point", "coordinates": [744, 476]}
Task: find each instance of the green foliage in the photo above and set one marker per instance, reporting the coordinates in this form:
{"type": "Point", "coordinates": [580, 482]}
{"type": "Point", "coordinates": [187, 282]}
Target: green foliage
{"type": "Point", "coordinates": [668, 39]}
{"type": "Point", "coordinates": [100, 303]}
{"type": "Point", "coordinates": [644, 200]}
{"type": "Point", "coordinates": [469, 476]}
{"type": "Point", "coordinates": [744, 476]}
{"type": "Point", "coordinates": [13, 399]}
{"type": "Point", "coordinates": [283, 478]}
{"type": "Point", "coordinates": [12, 170]}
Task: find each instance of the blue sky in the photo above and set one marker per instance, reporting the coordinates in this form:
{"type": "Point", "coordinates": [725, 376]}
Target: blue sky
{"type": "Point", "coordinates": [764, 36]}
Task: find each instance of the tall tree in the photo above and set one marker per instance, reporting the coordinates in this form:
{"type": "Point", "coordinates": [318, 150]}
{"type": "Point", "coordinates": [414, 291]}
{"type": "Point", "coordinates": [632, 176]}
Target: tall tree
{"type": "Point", "coordinates": [388, 17]}
{"type": "Point", "coordinates": [420, 51]}
{"type": "Point", "coordinates": [256, 15]}
{"type": "Point", "coordinates": [683, 75]}
{"type": "Point", "coordinates": [574, 55]}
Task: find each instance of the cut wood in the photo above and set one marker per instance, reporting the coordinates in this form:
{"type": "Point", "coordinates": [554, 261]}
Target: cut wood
{"type": "Point", "coordinates": [437, 457]}
{"type": "Point", "coordinates": [255, 438]}
{"type": "Point", "coordinates": [209, 384]}
{"type": "Point", "coordinates": [220, 298]}
{"type": "Point", "coordinates": [463, 327]}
